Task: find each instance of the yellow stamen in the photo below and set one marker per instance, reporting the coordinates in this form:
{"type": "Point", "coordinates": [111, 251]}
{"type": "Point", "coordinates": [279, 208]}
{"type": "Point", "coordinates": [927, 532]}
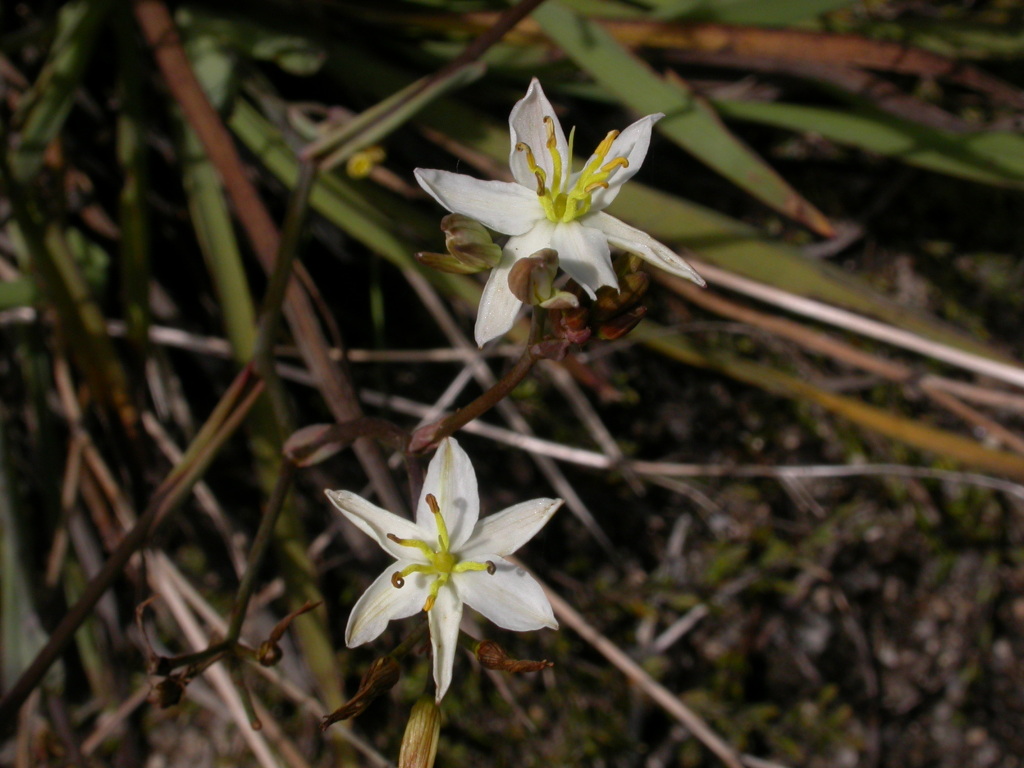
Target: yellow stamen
{"type": "Point", "coordinates": [556, 158]}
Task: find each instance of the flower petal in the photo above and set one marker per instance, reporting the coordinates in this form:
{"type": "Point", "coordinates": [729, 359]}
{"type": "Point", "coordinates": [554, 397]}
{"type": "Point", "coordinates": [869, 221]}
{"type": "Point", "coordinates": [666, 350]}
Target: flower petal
{"type": "Point", "coordinates": [452, 481]}
{"type": "Point", "coordinates": [510, 597]}
{"type": "Point", "coordinates": [378, 523]}
{"type": "Point", "coordinates": [498, 305]}
{"type": "Point", "coordinates": [526, 125]}
{"type": "Point", "coordinates": [503, 206]}
{"type": "Point", "coordinates": [634, 240]}
{"type": "Point", "coordinates": [631, 144]}
{"type": "Point", "coordinates": [382, 602]}
{"type": "Point", "coordinates": [444, 619]}
{"type": "Point", "coordinates": [506, 531]}
{"type": "Point", "coordinates": [583, 253]}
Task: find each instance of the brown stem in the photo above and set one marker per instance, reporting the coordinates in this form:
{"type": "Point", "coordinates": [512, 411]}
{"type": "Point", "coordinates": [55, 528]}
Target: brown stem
{"type": "Point", "coordinates": [428, 436]}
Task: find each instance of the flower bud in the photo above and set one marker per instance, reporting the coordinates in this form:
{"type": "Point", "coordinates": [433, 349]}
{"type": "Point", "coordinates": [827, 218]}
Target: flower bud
{"type": "Point", "coordinates": [621, 324]}
{"type": "Point", "coordinates": [609, 302]}
{"type": "Point", "coordinates": [469, 244]}
{"type": "Point", "coordinates": [532, 281]}
{"type": "Point", "coordinates": [269, 653]}
{"type": "Point", "coordinates": [419, 744]}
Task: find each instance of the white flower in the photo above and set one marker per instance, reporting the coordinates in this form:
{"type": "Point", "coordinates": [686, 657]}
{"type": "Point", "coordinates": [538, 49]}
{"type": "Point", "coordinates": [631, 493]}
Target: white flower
{"type": "Point", "coordinates": [446, 558]}
{"type": "Point", "coordinates": [549, 207]}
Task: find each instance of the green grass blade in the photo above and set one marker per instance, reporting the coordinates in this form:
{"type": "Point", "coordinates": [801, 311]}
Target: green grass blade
{"type": "Point", "coordinates": [21, 631]}
{"type": "Point", "coordinates": [45, 107]}
{"type": "Point", "coordinates": [48, 249]}
{"type": "Point", "coordinates": [768, 13]}
{"type": "Point", "coordinates": [133, 209]}
{"type": "Point", "coordinates": [17, 293]}
{"type": "Point", "coordinates": [990, 158]}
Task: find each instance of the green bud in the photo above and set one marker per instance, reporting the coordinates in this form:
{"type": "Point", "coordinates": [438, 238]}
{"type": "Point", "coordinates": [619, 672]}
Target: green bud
{"type": "Point", "coordinates": [469, 242]}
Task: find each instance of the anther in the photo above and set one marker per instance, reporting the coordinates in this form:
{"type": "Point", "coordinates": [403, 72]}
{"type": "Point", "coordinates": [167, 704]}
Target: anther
{"type": "Point", "coordinates": [549, 126]}
{"type": "Point", "coordinates": [396, 580]}
{"type": "Point", "coordinates": [606, 144]}
{"type": "Point", "coordinates": [432, 503]}
{"type": "Point", "coordinates": [491, 567]}
{"type": "Point", "coordinates": [394, 538]}
{"type": "Point", "coordinates": [430, 602]}
{"type": "Point", "coordinates": [530, 160]}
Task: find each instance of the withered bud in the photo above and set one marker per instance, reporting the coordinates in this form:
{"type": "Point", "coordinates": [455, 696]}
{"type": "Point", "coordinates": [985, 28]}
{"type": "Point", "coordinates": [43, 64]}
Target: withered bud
{"type": "Point", "coordinates": [532, 281]}
{"type": "Point", "coordinates": [570, 324]}
{"type": "Point", "coordinates": [269, 653]}
{"type": "Point", "coordinates": [380, 678]}
{"type": "Point", "coordinates": [620, 325]}
{"type": "Point", "coordinates": [168, 691]}
{"type": "Point", "coordinates": [469, 245]}
{"type": "Point", "coordinates": [419, 743]}
{"type": "Point", "coordinates": [609, 303]}
{"type": "Point", "coordinates": [493, 656]}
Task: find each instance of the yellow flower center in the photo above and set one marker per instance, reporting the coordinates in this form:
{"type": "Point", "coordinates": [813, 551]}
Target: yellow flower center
{"type": "Point", "coordinates": [442, 561]}
{"type": "Point", "coordinates": [564, 205]}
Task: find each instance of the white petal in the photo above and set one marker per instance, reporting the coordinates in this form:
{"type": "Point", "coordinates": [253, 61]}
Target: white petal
{"type": "Point", "coordinates": [382, 602]}
{"type": "Point", "coordinates": [452, 481]}
{"type": "Point", "coordinates": [634, 240]}
{"type": "Point", "coordinates": [526, 125]}
{"type": "Point", "coordinates": [510, 597]}
{"type": "Point", "coordinates": [444, 618]}
{"type": "Point", "coordinates": [583, 253]}
{"type": "Point", "coordinates": [503, 206]}
{"type": "Point", "coordinates": [631, 144]}
{"type": "Point", "coordinates": [506, 531]}
{"type": "Point", "coordinates": [498, 305]}
{"type": "Point", "coordinates": [378, 523]}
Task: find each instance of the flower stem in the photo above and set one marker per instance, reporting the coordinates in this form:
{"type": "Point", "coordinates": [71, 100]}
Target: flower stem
{"type": "Point", "coordinates": [428, 436]}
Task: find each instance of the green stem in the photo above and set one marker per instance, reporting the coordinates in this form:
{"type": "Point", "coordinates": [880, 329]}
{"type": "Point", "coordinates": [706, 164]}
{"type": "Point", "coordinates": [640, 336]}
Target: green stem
{"type": "Point", "coordinates": [260, 544]}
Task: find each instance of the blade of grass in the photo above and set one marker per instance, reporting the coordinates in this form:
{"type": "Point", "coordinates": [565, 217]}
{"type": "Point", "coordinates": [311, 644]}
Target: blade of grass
{"type": "Point", "coordinates": [45, 247]}
{"type": "Point", "coordinates": [45, 107]}
{"type": "Point", "coordinates": [21, 631]}
{"type": "Point", "coordinates": [769, 13]}
{"type": "Point", "coordinates": [133, 209]}
{"type": "Point", "coordinates": [995, 158]}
